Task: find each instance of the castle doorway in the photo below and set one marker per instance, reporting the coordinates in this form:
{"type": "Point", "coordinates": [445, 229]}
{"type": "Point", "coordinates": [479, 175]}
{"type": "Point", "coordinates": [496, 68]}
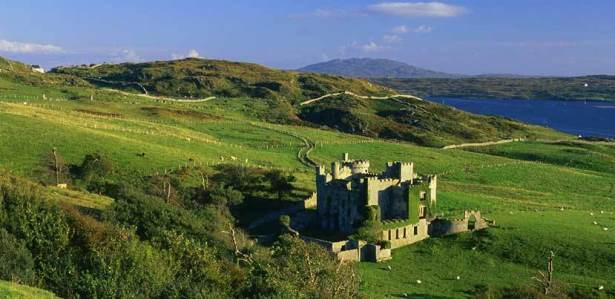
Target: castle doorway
{"type": "Point", "coordinates": [471, 222]}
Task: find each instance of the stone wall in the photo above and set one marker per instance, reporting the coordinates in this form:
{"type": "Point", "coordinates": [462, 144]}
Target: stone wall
{"type": "Point", "coordinates": [442, 227]}
{"type": "Point", "coordinates": [405, 235]}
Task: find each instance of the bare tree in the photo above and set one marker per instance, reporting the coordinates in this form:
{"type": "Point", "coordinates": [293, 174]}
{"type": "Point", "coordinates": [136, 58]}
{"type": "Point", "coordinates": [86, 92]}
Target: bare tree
{"type": "Point", "coordinates": [545, 281]}
{"type": "Point", "coordinates": [56, 165]}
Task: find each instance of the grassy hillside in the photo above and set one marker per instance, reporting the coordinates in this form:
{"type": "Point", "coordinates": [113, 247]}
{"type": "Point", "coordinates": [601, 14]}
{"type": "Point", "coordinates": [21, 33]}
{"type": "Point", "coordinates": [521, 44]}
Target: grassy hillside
{"type": "Point", "coordinates": [276, 94]}
{"type": "Point", "coordinates": [523, 186]}
{"type": "Point", "coordinates": [417, 121]}
{"type": "Point", "coordinates": [10, 290]}
{"type": "Point", "coordinates": [201, 78]}
{"type": "Point", "coordinates": [571, 88]}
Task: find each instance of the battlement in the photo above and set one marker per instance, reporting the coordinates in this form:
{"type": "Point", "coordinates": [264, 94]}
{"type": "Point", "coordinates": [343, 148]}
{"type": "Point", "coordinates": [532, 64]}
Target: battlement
{"type": "Point", "coordinates": [382, 180]}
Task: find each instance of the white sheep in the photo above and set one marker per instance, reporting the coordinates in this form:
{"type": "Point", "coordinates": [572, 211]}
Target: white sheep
{"type": "Point", "coordinates": [419, 281]}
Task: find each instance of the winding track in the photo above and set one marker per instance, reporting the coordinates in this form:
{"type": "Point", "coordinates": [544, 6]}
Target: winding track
{"type": "Point", "coordinates": [160, 98]}
{"type": "Point", "coordinates": [483, 143]}
{"type": "Point", "coordinates": [303, 155]}
{"type": "Point", "coordinates": [350, 93]}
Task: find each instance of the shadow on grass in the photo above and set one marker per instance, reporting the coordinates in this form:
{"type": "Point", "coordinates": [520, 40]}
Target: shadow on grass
{"type": "Point", "coordinates": [419, 296]}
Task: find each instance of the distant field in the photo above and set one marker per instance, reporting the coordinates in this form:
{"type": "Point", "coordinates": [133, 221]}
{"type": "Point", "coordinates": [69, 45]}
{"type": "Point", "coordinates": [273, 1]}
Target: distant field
{"type": "Point", "coordinates": [523, 186]}
{"type": "Point", "coordinates": [546, 88]}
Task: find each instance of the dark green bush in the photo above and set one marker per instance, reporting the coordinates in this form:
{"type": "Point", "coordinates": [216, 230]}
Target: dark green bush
{"type": "Point", "coordinates": [16, 262]}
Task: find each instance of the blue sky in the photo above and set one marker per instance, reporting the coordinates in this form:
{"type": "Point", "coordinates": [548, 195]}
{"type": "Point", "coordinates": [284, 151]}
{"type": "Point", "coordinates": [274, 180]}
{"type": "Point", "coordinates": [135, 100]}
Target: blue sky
{"type": "Point", "coordinates": [542, 37]}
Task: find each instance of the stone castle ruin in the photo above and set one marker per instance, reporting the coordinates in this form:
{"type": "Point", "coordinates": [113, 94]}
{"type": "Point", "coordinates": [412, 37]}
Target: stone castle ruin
{"type": "Point", "coordinates": [401, 201]}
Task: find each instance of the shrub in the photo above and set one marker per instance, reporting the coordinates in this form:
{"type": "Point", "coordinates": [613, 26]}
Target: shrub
{"type": "Point", "coordinates": [16, 262]}
{"type": "Point", "coordinates": [299, 269]}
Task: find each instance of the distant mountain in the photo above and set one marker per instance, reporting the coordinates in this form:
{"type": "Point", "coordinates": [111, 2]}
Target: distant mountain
{"type": "Point", "coordinates": [373, 68]}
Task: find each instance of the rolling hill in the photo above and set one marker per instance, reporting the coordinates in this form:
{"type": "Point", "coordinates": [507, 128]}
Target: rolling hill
{"type": "Point", "coordinates": [373, 68]}
{"type": "Point", "coordinates": [201, 78]}
{"type": "Point", "coordinates": [279, 94]}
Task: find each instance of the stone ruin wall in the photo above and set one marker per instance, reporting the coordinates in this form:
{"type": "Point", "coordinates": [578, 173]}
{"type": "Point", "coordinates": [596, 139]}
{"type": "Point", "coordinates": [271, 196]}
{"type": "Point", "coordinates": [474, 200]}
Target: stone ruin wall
{"type": "Point", "coordinates": [442, 227]}
{"type": "Point", "coordinates": [404, 235]}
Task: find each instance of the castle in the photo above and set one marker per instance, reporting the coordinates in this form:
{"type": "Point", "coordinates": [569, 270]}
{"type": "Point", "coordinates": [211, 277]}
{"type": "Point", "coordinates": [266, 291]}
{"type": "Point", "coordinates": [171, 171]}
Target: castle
{"type": "Point", "coordinates": [399, 200]}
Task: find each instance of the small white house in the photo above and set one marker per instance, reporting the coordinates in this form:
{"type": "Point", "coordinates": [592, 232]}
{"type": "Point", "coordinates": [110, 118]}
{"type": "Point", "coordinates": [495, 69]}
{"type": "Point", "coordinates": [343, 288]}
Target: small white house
{"type": "Point", "coordinates": [37, 68]}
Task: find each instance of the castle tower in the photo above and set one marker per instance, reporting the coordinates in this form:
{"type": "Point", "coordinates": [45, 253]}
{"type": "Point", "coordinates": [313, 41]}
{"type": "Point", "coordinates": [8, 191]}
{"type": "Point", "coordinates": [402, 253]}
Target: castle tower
{"type": "Point", "coordinates": [360, 166]}
{"type": "Point", "coordinates": [400, 170]}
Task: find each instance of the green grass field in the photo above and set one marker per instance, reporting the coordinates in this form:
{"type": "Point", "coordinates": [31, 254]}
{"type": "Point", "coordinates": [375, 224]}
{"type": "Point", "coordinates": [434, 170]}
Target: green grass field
{"type": "Point", "coordinates": [9, 290]}
{"type": "Point", "coordinates": [541, 195]}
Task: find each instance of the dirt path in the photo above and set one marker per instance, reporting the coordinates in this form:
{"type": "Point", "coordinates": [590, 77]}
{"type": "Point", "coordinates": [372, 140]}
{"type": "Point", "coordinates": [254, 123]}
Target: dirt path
{"type": "Point", "coordinates": [359, 96]}
{"type": "Point", "coordinates": [160, 98]}
{"type": "Point", "coordinates": [303, 155]}
{"type": "Point", "coordinates": [551, 141]}
{"type": "Point", "coordinates": [483, 143]}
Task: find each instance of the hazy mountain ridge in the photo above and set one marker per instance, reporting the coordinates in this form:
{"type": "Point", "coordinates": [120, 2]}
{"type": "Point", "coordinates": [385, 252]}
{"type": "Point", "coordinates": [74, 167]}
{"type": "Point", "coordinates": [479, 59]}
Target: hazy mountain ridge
{"type": "Point", "coordinates": [373, 68]}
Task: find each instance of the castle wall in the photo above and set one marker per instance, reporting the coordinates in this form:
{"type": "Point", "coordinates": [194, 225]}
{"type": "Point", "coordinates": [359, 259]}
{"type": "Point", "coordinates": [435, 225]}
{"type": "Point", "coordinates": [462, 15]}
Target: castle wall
{"type": "Point", "coordinates": [442, 227]}
{"type": "Point", "coordinates": [405, 235]}
{"type": "Point", "coordinates": [389, 195]}
{"type": "Point", "coordinates": [340, 206]}
{"type": "Point", "coordinates": [400, 170]}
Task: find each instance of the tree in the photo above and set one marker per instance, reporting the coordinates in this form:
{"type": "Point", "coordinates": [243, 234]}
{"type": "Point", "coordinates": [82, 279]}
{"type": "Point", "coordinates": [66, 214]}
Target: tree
{"type": "Point", "coordinates": [16, 262]}
{"type": "Point", "coordinates": [286, 228]}
{"type": "Point", "coordinates": [95, 166]}
{"type": "Point", "coordinates": [280, 183]}
{"type": "Point", "coordinates": [371, 227]}
{"type": "Point", "coordinates": [545, 281]}
{"type": "Point", "coordinates": [56, 166]}
{"type": "Point", "coordinates": [299, 269]}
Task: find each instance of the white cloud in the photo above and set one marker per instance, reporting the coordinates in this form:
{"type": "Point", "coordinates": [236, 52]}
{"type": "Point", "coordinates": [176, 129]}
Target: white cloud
{"type": "Point", "coordinates": [28, 48]}
{"type": "Point", "coordinates": [423, 29]}
{"type": "Point", "coordinates": [369, 47]}
{"type": "Point", "coordinates": [192, 53]}
{"type": "Point", "coordinates": [355, 47]}
{"type": "Point", "coordinates": [417, 9]}
{"type": "Point", "coordinates": [130, 55]}
{"type": "Point", "coordinates": [400, 29]}
{"type": "Point", "coordinates": [391, 38]}
{"type": "Point", "coordinates": [124, 55]}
